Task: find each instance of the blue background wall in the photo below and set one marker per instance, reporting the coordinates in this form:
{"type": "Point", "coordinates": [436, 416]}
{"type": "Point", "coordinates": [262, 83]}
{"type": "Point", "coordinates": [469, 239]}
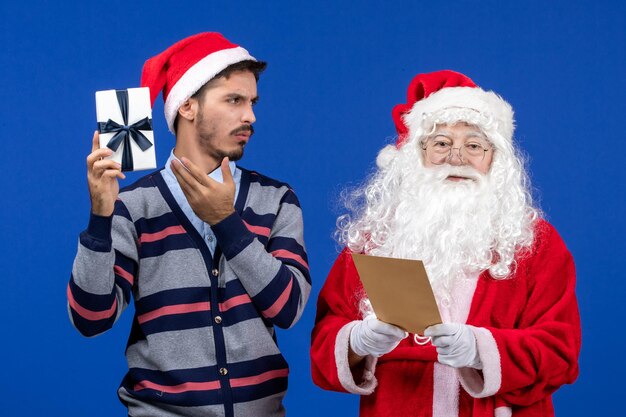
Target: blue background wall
{"type": "Point", "coordinates": [335, 71]}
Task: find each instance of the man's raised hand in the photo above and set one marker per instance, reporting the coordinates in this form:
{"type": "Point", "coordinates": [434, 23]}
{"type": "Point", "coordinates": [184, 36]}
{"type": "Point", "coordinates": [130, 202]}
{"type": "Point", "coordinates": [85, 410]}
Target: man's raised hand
{"type": "Point", "coordinates": [102, 175]}
{"type": "Point", "coordinates": [211, 200]}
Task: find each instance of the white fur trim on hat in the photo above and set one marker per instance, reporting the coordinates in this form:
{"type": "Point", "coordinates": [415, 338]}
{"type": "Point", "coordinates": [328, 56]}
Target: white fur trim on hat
{"type": "Point", "coordinates": [198, 75]}
{"type": "Point", "coordinates": [493, 113]}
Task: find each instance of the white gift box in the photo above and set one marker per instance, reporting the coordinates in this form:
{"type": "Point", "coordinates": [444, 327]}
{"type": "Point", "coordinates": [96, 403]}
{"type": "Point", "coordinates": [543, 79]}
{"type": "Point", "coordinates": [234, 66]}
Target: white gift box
{"type": "Point", "coordinates": [131, 139]}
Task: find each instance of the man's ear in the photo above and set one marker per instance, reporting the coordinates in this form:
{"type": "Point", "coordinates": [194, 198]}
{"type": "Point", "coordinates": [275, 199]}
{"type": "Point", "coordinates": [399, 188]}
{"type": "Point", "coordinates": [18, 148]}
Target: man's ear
{"type": "Point", "coordinates": [189, 109]}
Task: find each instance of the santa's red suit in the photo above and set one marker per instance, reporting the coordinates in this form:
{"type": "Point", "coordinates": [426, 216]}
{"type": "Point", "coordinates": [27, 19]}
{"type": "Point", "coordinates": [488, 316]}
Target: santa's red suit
{"type": "Point", "coordinates": [527, 329]}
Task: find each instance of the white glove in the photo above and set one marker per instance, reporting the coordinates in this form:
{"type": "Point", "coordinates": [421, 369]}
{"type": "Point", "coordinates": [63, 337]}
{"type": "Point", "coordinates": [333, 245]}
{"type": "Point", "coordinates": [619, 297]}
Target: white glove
{"type": "Point", "coordinates": [456, 345]}
{"type": "Point", "coordinates": [374, 337]}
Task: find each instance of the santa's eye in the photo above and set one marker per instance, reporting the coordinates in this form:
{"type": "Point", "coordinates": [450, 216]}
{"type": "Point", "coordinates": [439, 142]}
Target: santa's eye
{"type": "Point", "coordinates": [441, 144]}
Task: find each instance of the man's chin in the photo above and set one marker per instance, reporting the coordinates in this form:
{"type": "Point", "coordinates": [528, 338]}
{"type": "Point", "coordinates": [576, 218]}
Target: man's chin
{"type": "Point", "coordinates": [233, 155]}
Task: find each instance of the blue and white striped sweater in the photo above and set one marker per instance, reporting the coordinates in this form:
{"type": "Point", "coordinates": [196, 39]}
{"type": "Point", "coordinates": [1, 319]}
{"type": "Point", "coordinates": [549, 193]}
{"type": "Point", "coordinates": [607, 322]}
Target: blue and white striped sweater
{"type": "Point", "coordinates": [202, 340]}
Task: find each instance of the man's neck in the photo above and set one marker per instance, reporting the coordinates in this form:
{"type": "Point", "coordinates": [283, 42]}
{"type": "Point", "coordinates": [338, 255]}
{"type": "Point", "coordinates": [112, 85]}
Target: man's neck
{"type": "Point", "coordinates": [192, 151]}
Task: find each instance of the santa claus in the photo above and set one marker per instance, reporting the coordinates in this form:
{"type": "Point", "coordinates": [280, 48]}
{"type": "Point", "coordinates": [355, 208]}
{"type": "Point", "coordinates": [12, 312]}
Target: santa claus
{"type": "Point", "coordinates": [453, 193]}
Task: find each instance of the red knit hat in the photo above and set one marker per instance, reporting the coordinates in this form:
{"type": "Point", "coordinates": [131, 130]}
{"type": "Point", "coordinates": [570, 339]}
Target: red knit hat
{"type": "Point", "coordinates": [422, 86]}
{"type": "Point", "coordinates": [448, 97]}
{"type": "Point", "coordinates": [439, 90]}
{"type": "Point", "coordinates": [183, 68]}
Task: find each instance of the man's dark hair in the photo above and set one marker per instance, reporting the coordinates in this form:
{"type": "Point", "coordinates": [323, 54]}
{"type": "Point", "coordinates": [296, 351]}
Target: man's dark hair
{"type": "Point", "coordinates": [255, 67]}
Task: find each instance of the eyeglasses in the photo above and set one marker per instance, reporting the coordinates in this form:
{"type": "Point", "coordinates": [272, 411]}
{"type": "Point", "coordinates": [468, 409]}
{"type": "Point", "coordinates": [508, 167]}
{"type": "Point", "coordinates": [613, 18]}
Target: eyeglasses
{"type": "Point", "coordinates": [439, 150]}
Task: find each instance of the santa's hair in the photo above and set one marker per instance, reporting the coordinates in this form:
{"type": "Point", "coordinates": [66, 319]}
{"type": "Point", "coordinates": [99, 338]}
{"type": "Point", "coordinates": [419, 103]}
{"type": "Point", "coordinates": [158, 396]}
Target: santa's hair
{"type": "Point", "coordinates": [373, 206]}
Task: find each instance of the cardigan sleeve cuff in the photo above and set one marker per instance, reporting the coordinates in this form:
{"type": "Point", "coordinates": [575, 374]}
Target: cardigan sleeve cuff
{"type": "Point", "coordinates": [232, 235]}
{"type": "Point", "coordinates": [369, 382]}
{"type": "Point", "coordinates": [97, 237]}
{"type": "Point", "coordinates": [486, 383]}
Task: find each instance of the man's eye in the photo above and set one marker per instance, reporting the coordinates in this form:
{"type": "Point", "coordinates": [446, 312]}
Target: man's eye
{"type": "Point", "coordinates": [234, 100]}
{"type": "Point", "coordinates": [440, 144]}
{"type": "Point", "coordinates": [473, 146]}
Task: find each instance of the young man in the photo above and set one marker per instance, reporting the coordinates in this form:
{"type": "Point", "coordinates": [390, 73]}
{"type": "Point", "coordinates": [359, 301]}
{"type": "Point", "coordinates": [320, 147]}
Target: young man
{"type": "Point", "coordinates": [453, 193]}
{"type": "Point", "coordinates": [213, 262]}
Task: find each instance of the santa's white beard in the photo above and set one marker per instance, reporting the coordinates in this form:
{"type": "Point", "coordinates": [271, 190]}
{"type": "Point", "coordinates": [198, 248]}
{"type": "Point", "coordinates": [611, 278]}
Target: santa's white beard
{"type": "Point", "coordinates": [446, 224]}
{"type": "Point", "coordinates": [459, 229]}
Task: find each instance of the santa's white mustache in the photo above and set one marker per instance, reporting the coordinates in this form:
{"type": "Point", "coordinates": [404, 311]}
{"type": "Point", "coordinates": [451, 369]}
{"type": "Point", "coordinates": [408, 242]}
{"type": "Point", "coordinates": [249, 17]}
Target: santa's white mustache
{"type": "Point", "coordinates": [442, 172]}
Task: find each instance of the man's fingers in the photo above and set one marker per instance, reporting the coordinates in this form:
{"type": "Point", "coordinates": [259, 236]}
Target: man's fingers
{"type": "Point", "coordinates": [95, 142]}
{"type": "Point", "coordinates": [105, 164]}
{"type": "Point", "coordinates": [185, 179]}
{"type": "Point", "coordinates": [194, 171]}
{"type": "Point", "coordinates": [226, 174]}
{"type": "Point", "coordinates": [97, 155]}
{"type": "Point", "coordinates": [113, 173]}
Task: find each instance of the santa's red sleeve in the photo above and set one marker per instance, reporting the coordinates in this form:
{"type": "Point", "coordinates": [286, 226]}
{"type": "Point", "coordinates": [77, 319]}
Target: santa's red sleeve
{"type": "Point", "coordinates": [337, 313]}
{"type": "Point", "coordinates": [525, 364]}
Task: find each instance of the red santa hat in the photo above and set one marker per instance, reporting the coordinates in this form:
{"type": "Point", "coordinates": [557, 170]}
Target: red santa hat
{"type": "Point", "coordinates": [449, 97]}
{"type": "Point", "coordinates": [183, 68]}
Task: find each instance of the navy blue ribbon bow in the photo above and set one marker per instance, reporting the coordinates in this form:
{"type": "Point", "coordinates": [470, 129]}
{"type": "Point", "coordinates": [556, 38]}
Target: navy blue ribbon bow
{"type": "Point", "coordinates": [123, 133]}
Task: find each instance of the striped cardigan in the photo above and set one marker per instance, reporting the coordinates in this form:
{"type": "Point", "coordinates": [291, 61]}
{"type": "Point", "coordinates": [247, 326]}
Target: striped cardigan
{"type": "Point", "coordinates": [202, 341]}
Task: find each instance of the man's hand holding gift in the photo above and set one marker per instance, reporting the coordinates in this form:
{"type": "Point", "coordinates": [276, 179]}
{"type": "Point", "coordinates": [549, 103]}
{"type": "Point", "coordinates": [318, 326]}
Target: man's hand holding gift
{"type": "Point", "coordinates": [102, 175]}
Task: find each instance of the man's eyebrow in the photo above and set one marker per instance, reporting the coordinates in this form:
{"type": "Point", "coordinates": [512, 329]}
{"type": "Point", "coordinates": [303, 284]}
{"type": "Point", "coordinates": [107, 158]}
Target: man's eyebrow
{"type": "Point", "coordinates": [237, 95]}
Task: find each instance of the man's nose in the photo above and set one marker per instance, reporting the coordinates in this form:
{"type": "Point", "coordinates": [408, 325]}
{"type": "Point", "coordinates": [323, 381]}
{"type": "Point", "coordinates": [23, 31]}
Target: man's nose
{"type": "Point", "coordinates": [248, 115]}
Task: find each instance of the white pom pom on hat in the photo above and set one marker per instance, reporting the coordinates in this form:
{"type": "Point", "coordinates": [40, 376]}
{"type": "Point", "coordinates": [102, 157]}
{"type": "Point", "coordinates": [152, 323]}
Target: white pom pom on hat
{"type": "Point", "coordinates": [386, 156]}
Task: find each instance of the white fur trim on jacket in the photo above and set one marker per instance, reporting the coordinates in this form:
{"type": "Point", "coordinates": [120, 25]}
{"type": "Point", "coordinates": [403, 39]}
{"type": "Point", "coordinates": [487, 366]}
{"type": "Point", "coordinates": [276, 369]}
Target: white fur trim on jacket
{"type": "Point", "coordinates": [445, 391]}
{"type": "Point", "coordinates": [346, 378]}
{"type": "Point", "coordinates": [198, 75]}
{"type": "Point", "coordinates": [491, 380]}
